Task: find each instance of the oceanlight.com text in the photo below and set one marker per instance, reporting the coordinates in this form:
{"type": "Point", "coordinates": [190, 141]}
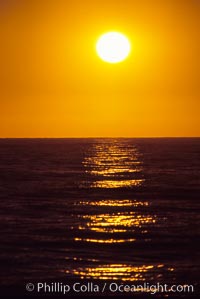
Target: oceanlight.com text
{"type": "Point", "coordinates": [113, 287]}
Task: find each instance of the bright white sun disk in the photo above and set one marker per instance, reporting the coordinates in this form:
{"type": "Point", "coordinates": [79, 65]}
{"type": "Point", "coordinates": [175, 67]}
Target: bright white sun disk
{"type": "Point", "coordinates": [113, 47]}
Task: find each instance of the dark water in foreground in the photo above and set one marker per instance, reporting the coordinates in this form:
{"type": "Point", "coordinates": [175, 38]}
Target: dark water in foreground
{"type": "Point", "coordinates": [123, 210]}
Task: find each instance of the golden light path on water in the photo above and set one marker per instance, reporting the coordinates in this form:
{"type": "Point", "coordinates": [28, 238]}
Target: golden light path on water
{"type": "Point", "coordinates": [115, 203]}
{"type": "Point", "coordinates": [106, 222]}
{"type": "Point", "coordinates": [115, 222]}
{"type": "Point", "coordinates": [118, 271]}
{"type": "Point", "coordinates": [110, 223]}
{"type": "Point", "coordinates": [122, 272]}
{"type": "Point", "coordinates": [114, 166]}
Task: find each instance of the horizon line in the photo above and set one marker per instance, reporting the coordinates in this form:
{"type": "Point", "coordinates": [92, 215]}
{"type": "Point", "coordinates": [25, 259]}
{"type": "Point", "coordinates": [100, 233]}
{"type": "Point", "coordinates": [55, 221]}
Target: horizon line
{"type": "Point", "coordinates": [102, 137]}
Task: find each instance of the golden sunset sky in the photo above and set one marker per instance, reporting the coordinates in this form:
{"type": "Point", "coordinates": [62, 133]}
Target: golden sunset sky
{"type": "Point", "coordinates": [53, 84]}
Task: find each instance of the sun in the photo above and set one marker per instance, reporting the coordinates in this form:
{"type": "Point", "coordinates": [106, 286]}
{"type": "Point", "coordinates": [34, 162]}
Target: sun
{"type": "Point", "coordinates": [113, 47]}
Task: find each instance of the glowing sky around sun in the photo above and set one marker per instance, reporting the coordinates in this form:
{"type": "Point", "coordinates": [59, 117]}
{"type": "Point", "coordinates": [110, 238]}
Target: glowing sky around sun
{"type": "Point", "coordinates": [53, 83]}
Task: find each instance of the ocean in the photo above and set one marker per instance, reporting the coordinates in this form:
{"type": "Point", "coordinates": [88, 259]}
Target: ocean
{"type": "Point", "coordinates": [115, 211]}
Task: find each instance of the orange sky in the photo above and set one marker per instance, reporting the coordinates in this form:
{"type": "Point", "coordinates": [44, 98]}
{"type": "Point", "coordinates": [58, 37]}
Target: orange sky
{"type": "Point", "coordinates": [53, 84]}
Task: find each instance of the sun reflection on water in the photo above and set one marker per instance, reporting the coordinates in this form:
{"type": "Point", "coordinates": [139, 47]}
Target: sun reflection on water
{"type": "Point", "coordinates": [113, 166]}
{"type": "Point", "coordinates": [116, 184]}
{"type": "Point", "coordinates": [107, 222]}
{"type": "Point", "coordinates": [122, 272]}
{"type": "Point", "coordinates": [115, 203]}
{"type": "Point", "coordinates": [114, 272]}
{"type": "Point", "coordinates": [119, 222]}
{"type": "Point", "coordinates": [114, 216]}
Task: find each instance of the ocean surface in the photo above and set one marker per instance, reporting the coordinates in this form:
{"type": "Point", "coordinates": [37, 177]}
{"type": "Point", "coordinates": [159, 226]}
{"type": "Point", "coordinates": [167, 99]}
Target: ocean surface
{"type": "Point", "coordinates": [122, 210]}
